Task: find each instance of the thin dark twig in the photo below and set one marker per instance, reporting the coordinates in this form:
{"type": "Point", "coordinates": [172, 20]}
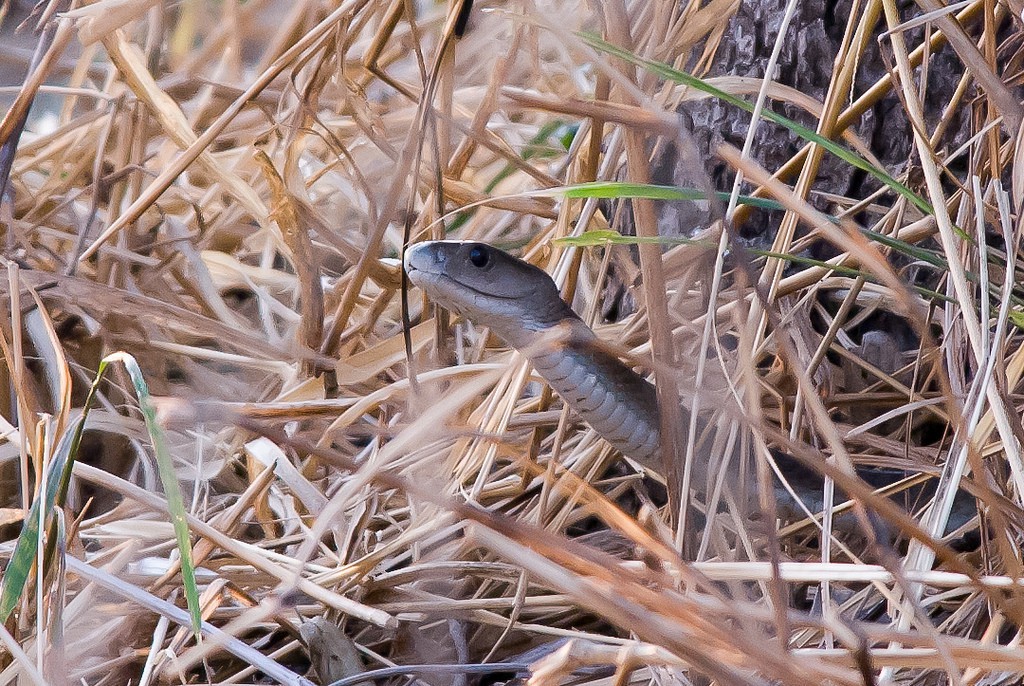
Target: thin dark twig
{"type": "Point", "coordinates": [9, 147]}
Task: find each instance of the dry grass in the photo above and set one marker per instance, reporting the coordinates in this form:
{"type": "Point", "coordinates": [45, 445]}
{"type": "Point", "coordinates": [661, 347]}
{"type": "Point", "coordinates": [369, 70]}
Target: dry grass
{"type": "Point", "coordinates": [222, 191]}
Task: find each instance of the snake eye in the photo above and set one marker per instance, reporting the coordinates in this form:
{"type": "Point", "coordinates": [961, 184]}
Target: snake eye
{"type": "Point", "coordinates": [478, 256]}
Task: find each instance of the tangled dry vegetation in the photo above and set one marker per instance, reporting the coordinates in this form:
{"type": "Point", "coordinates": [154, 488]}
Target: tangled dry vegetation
{"type": "Point", "coordinates": [221, 190]}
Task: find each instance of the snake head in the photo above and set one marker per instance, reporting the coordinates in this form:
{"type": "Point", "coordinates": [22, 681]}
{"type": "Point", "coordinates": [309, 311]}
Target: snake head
{"type": "Point", "coordinates": [488, 286]}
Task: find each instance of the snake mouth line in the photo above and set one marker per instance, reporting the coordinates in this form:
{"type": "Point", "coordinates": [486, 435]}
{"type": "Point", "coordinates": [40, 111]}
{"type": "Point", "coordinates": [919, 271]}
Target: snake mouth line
{"type": "Point", "coordinates": [440, 276]}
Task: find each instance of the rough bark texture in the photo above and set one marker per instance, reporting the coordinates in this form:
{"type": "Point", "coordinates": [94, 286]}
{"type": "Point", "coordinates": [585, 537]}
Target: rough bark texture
{"type": "Point", "coordinates": [806, 63]}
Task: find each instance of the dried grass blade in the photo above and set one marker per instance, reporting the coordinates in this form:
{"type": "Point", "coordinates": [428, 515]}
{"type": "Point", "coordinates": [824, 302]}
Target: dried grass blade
{"type": "Point", "coordinates": [259, 559]}
{"type": "Point", "coordinates": [163, 181]}
{"type": "Point", "coordinates": [20, 657]}
{"type": "Point", "coordinates": [131, 63]}
{"type": "Point", "coordinates": [1004, 101]}
{"type": "Point", "coordinates": [304, 260]}
{"type": "Point", "coordinates": [100, 18]}
{"type": "Point", "coordinates": [668, 72]}
{"type": "Point", "coordinates": [234, 646]}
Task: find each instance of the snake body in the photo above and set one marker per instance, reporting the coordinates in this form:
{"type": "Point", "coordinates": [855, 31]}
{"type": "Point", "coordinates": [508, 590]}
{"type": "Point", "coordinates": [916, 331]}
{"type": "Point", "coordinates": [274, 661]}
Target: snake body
{"type": "Point", "coordinates": [521, 304]}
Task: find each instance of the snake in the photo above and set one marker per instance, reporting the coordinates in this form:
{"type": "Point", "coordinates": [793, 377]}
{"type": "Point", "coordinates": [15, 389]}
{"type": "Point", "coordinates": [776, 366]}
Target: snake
{"type": "Point", "coordinates": [521, 304]}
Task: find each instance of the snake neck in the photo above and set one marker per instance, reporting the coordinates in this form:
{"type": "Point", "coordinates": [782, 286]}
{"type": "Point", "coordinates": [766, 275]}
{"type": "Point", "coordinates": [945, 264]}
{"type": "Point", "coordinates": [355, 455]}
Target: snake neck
{"type": "Point", "coordinates": [616, 401]}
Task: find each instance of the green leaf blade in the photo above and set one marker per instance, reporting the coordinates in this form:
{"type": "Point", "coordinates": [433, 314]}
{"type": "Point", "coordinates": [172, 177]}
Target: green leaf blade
{"type": "Point", "coordinates": [671, 74]}
{"type": "Point", "coordinates": [169, 480]}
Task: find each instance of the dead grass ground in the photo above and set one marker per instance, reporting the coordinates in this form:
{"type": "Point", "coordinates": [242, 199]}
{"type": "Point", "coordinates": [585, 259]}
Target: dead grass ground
{"type": "Point", "coordinates": [223, 193]}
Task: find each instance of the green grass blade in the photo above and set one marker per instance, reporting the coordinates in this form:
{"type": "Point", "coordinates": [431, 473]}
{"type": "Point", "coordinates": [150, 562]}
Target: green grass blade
{"type": "Point", "coordinates": [605, 237]}
{"type": "Point", "coordinates": [165, 466]}
{"type": "Point", "coordinates": [538, 147]}
{"type": "Point", "coordinates": [601, 237]}
{"type": "Point", "coordinates": [667, 72]}
{"type": "Point", "coordinates": [12, 586]}
{"type": "Point", "coordinates": [16, 575]}
{"type": "Point", "coordinates": [58, 478]}
{"type": "Point", "coordinates": [619, 189]}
